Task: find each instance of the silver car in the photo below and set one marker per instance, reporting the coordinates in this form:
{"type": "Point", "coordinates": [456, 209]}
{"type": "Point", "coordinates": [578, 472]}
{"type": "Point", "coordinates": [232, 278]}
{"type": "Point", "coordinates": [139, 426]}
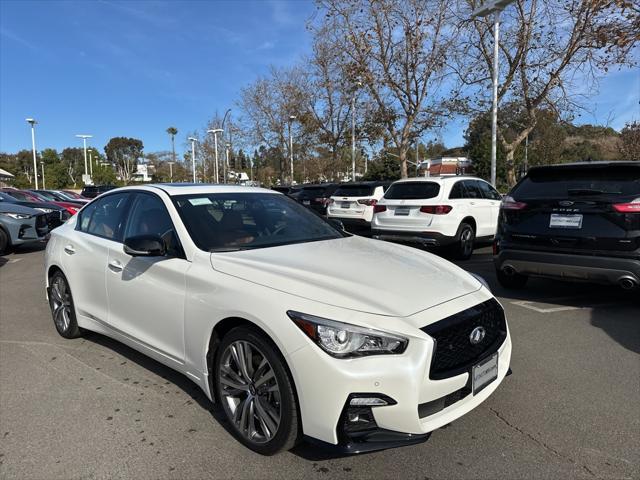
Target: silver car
{"type": "Point", "coordinates": [20, 225]}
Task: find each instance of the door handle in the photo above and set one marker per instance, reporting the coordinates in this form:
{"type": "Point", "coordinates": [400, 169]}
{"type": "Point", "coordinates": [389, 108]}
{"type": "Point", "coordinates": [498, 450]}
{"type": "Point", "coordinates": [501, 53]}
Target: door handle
{"type": "Point", "coordinates": [69, 250]}
{"type": "Point", "coordinates": [115, 265]}
{"type": "Point", "coordinates": [472, 203]}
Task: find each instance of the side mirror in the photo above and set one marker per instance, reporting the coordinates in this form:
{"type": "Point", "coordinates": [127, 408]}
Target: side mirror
{"type": "Point", "coordinates": [337, 223]}
{"type": "Point", "coordinates": [145, 246]}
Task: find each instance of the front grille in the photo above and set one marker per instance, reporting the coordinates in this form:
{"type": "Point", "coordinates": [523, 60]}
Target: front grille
{"type": "Point", "coordinates": [454, 353]}
{"type": "Point", "coordinates": [42, 226]}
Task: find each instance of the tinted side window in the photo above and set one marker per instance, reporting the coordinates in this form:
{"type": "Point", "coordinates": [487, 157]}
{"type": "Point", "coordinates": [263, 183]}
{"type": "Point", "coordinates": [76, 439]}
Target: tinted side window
{"type": "Point", "coordinates": [107, 217]}
{"type": "Point", "coordinates": [457, 191]}
{"type": "Point", "coordinates": [149, 216]}
{"type": "Point", "coordinates": [488, 191]}
{"type": "Point", "coordinates": [472, 189]}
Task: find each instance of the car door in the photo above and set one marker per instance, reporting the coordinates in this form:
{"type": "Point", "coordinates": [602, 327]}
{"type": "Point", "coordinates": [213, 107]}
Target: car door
{"type": "Point", "coordinates": [479, 208]}
{"type": "Point", "coordinates": [85, 252]}
{"type": "Point", "coordinates": [146, 294]}
{"type": "Point", "coordinates": [493, 199]}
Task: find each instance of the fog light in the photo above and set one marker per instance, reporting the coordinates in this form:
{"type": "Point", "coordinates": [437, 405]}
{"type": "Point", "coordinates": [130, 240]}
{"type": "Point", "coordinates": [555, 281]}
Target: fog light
{"type": "Point", "coordinates": [368, 402]}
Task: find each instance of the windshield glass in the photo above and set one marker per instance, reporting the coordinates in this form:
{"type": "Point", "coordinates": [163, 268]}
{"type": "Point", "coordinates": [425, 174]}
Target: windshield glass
{"type": "Point", "coordinates": [354, 191]}
{"type": "Point", "coordinates": [220, 222]}
{"type": "Point", "coordinates": [412, 191]}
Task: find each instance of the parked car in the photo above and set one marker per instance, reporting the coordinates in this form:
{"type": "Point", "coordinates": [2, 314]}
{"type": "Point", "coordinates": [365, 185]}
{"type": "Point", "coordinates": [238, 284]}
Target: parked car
{"type": "Point", "coordinates": [267, 307]}
{"type": "Point", "coordinates": [316, 196]}
{"type": "Point", "coordinates": [352, 203]}
{"type": "Point", "coordinates": [577, 221]}
{"type": "Point", "coordinates": [20, 225]}
{"type": "Point", "coordinates": [92, 191]}
{"type": "Point", "coordinates": [45, 195]}
{"type": "Point", "coordinates": [281, 188]}
{"type": "Point", "coordinates": [56, 215]}
{"type": "Point", "coordinates": [452, 211]}
{"type": "Point", "coordinates": [73, 195]}
{"type": "Point", "coordinates": [57, 196]}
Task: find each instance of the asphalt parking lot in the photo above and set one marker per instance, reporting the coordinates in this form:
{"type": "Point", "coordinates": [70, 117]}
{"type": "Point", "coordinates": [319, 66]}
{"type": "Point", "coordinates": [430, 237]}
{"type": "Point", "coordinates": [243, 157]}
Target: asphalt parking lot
{"type": "Point", "coordinates": [93, 408]}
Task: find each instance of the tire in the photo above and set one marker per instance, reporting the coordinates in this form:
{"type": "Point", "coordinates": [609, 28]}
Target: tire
{"type": "Point", "coordinates": [463, 248]}
{"type": "Point", "coordinates": [63, 310]}
{"type": "Point", "coordinates": [513, 281]}
{"type": "Point", "coordinates": [263, 414]}
{"type": "Point", "coordinates": [4, 241]}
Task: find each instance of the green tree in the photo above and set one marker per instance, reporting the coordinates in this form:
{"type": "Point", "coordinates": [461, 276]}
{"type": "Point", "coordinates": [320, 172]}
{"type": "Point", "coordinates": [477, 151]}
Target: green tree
{"type": "Point", "coordinates": [386, 168]}
{"type": "Point", "coordinates": [173, 131]}
{"type": "Point", "coordinates": [124, 153]}
{"type": "Point", "coordinates": [630, 141]}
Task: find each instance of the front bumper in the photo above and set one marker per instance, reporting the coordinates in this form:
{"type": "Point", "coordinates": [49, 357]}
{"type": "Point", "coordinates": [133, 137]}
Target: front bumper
{"type": "Point", "coordinates": [606, 270]}
{"type": "Point", "coordinates": [434, 239]}
{"type": "Point", "coordinates": [324, 385]}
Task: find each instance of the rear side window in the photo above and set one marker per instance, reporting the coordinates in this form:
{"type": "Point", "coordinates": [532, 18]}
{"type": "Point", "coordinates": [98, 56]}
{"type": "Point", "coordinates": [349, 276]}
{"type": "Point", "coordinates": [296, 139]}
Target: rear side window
{"type": "Point", "coordinates": [472, 189]}
{"type": "Point", "coordinates": [104, 217]}
{"type": "Point", "coordinates": [580, 182]}
{"type": "Point", "coordinates": [457, 191]}
{"type": "Point", "coordinates": [412, 191]}
{"type": "Point", "coordinates": [488, 191]}
{"type": "Point", "coordinates": [354, 191]}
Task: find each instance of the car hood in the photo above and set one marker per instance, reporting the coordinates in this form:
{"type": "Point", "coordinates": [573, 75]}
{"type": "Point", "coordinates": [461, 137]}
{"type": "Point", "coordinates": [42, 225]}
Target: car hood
{"type": "Point", "coordinates": [6, 207]}
{"type": "Point", "coordinates": [354, 273]}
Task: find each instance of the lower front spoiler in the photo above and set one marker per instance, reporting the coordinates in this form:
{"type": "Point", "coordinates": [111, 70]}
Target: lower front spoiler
{"type": "Point", "coordinates": [380, 439]}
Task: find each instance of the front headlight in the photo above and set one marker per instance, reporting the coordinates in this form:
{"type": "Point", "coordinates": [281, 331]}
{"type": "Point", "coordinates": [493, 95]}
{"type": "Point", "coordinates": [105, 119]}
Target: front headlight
{"type": "Point", "coordinates": [343, 340]}
{"type": "Point", "coordinates": [45, 210]}
{"type": "Point", "coordinates": [17, 216]}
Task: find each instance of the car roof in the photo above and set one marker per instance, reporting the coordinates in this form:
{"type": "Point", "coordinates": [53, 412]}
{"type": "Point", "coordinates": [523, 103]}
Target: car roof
{"type": "Point", "coordinates": [594, 165]}
{"type": "Point", "coordinates": [441, 179]}
{"type": "Point", "coordinates": [173, 189]}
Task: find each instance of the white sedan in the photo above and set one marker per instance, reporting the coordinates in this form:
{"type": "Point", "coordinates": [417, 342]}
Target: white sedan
{"type": "Point", "coordinates": [293, 326]}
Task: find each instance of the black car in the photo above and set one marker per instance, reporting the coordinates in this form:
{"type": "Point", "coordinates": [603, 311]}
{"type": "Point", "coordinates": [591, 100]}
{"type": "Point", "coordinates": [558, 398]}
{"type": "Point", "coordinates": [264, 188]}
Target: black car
{"type": "Point", "coordinates": [282, 189]}
{"type": "Point", "coordinates": [92, 191]}
{"type": "Point", "coordinates": [315, 196]}
{"type": "Point", "coordinates": [577, 221]}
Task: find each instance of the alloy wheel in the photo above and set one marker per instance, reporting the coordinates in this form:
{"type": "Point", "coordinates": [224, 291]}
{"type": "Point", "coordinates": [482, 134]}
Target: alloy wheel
{"type": "Point", "coordinates": [250, 391]}
{"type": "Point", "coordinates": [466, 240]}
{"type": "Point", "coordinates": [61, 304]}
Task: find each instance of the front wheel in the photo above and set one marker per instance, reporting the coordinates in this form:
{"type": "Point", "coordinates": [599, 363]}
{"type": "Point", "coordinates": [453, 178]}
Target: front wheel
{"type": "Point", "coordinates": [4, 241]}
{"type": "Point", "coordinates": [511, 281]}
{"type": "Point", "coordinates": [256, 392]}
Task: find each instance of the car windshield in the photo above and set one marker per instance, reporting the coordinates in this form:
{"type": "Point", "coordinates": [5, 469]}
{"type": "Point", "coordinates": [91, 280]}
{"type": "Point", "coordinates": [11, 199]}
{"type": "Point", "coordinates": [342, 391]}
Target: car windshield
{"type": "Point", "coordinates": [576, 182]}
{"type": "Point", "coordinates": [46, 195]}
{"type": "Point", "coordinates": [354, 191]}
{"type": "Point", "coordinates": [412, 191]}
{"type": "Point", "coordinates": [222, 222]}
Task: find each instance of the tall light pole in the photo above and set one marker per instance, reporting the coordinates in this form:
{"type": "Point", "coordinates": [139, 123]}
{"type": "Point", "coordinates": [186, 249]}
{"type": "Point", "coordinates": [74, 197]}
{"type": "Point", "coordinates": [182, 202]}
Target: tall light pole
{"type": "Point", "coordinates": [84, 142]}
{"type": "Point", "coordinates": [32, 122]}
{"type": "Point", "coordinates": [226, 162]}
{"type": "Point", "coordinates": [215, 132]}
{"type": "Point", "coordinates": [44, 185]}
{"type": "Point", "coordinates": [171, 171]}
{"type": "Point", "coordinates": [353, 134]}
{"type": "Point", "coordinates": [91, 163]}
{"type": "Point", "coordinates": [493, 7]}
{"type": "Point", "coordinates": [291, 119]}
{"type": "Point", "coordinates": [193, 156]}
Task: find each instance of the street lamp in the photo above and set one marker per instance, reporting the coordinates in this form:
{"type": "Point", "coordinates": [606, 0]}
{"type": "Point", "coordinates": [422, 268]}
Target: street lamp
{"type": "Point", "coordinates": [226, 162]}
{"type": "Point", "coordinates": [32, 122]}
{"type": "Point", "coordinates": [193, 156]}
{"type": "Point", "coordinates": [171, 171]}
{"type": "Point", "coordinates": [215, 132]}
{"type": "Point", "coordinates": [291, 119]}
{"type": "Point", "coordinates": [84, 142]}
{"type": "Point", "coordinates": [91, 163]}
{"type": "Point", "coordinates": [44, 185]}
{"type": "Point", "coordinates": [493, 7]}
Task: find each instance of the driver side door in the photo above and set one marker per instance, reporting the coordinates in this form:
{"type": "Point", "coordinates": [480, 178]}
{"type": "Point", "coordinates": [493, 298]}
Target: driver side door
{"type": "Point", "coordinates": [146, 295]}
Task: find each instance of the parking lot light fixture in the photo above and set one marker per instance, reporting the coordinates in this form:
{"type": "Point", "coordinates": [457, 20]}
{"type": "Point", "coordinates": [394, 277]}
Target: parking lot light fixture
{"type": "Point", "coordinates": [171, 171]}
{"type": "Point", "coordinates": [32, 122]}
{"type": "Point", "coordinates": [84, 142]}
{"type": "Point", "coordinates": [215, 132]}
{"type": "Point", "coordinates": [226, 162]}
{"type": "Point", "coordinates": [291, 119]}
{"type": "Point", "coordinates": [44, 185]}
{"type": "Point", "coordinates": [193, 156]}
{"type": "Point", "coordinates": [488, 8]}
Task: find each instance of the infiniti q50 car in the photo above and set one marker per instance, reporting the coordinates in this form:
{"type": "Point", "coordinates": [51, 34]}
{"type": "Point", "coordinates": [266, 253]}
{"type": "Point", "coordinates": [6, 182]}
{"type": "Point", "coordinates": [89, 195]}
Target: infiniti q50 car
{"type": "Point", "coordinates": [292, 325]}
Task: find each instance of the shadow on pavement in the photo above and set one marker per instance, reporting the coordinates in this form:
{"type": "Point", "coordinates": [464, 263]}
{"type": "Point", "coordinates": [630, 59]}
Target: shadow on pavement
{"type": "Point", "coordinates": [624, 327]}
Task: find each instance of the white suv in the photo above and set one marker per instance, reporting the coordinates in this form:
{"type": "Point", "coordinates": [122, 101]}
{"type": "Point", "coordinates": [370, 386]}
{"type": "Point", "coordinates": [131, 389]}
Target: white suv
{"type": "Point", "coordinates": [439, 211]}
{"type": "Point", "coordinates": [352, 203]}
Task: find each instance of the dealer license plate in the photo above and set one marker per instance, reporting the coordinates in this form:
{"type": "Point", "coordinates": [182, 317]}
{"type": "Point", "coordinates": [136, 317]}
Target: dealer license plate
{"type": "Point", "coordinates": [565, 221]}
{"type": "Point", "coordinates": [346, 205]}
{"type": "Point", "coordinates": [484, 373]}
{"type": "Point", "coordinates": [402, 211]}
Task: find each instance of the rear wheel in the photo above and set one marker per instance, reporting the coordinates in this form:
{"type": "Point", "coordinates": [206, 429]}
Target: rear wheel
{"type": "Point", "coordinates": [511, 281]}
{"type": "Point", "coordinates": [463, 249]}
{"type": "Point", "coordinates": [256, 392]}
{"type": "Point", "coordinates": [62, 309]}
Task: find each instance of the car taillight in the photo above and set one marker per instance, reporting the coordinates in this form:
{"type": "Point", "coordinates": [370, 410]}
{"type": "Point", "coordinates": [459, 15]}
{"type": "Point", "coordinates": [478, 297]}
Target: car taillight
{"type": "Point", "coordinates": [368, 201]}
{"type": "Point", "coordinates": [509, 203]}
{"type": "Point", "coordinates": [631, 207]}
{"type": "Point", "coordinates": [379, 208]}
{"type": "Point", "coordinates": [72, 210]}
{"type": "Point", "coordinates": [436, 209]}
{"type": "Point", "coordinates": [330, 201]}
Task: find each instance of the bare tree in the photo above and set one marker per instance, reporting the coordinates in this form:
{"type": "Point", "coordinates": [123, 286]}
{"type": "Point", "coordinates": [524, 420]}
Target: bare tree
{"type": "Point", "coordinates": [398, 50]}
{"type": "Point", "coordinates": [552, 53]}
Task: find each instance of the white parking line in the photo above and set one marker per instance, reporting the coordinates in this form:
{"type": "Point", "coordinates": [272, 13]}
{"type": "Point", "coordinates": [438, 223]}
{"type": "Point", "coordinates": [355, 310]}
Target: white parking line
{"type": "Point", "coordinates": [527, 304]}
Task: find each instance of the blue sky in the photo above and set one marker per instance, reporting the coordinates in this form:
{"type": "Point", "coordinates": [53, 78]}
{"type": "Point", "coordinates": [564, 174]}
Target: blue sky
{"type": "Point", "coordinates": [134, 68]}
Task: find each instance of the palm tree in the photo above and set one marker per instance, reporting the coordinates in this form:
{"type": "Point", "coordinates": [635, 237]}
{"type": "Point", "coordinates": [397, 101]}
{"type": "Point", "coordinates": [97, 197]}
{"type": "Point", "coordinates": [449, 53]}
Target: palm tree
{"type": "Point", "coordinates": [173, 131]}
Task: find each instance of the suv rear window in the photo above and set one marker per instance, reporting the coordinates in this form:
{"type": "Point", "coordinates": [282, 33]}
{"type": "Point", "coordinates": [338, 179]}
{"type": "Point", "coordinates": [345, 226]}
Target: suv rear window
{"type": "Point", "coordinates": [354, 191]}
{"type": "Point", "coordinates": [412, 191]}
{"type": "Point", "coordinates": [579, 182]}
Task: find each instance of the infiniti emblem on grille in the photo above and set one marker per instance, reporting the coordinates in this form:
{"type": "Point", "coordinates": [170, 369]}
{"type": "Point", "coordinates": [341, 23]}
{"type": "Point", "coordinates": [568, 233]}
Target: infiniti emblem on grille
{"type": "Point", "coordinates": [477, 335]}
{"type": "Point", "coordinates": [566, 203]}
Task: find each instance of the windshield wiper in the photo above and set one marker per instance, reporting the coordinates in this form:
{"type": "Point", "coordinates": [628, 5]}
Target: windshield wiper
{"type": "Point", "coordinates": [226, 249]}
{"type": "Point", "coordinates": [587, 191]}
